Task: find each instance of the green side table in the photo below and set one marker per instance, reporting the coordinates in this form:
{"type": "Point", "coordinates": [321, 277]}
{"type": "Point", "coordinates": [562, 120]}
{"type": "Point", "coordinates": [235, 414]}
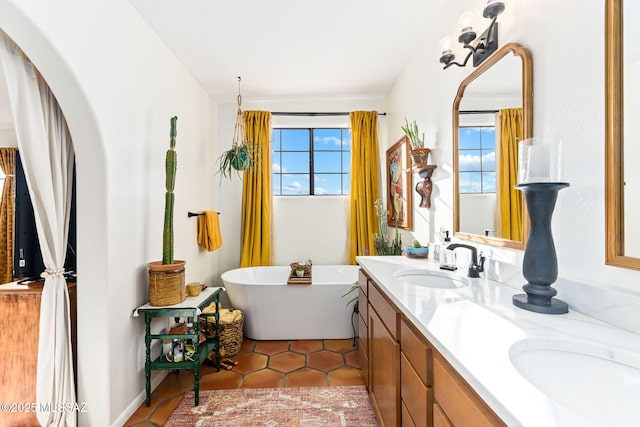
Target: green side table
{"type": "Point", "coordinates": [191, 307]}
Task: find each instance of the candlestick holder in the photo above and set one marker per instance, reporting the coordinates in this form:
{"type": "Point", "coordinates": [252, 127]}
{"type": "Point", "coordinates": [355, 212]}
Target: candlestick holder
{"type": "Point", "coordinates": [540, 264]}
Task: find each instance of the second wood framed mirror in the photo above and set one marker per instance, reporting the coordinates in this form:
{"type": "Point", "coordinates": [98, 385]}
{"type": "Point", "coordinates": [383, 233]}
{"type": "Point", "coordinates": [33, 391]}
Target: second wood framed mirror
{"type": "Point", "coordinates": [622, 79]}
{"type": "Point", "coordinates": [492, 112]}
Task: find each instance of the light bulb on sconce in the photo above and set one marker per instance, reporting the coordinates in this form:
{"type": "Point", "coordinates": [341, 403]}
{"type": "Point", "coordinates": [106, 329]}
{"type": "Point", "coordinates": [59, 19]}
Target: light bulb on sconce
{"type": "Point", "coordinates": [493, 8]}
{"type": "Point", "coordinates": [482, 46]}
{"type": "Point", "coordinates": [465, 22]}
{"type": "Point", "coordinates": [445, 47]}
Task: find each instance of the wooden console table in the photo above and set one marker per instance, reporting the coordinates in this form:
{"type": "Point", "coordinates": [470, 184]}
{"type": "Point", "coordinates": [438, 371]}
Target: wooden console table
{"type": "Point", "coordinates": [191, 307]}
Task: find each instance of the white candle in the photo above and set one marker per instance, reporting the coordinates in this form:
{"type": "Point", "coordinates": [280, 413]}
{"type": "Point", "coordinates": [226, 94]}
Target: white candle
{"type": "Point", "coordinates": [540, 160]}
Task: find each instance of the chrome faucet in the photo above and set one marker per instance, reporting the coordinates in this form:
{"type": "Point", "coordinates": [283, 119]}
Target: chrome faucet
{"type": "Point", "coordinates": [474, 268]}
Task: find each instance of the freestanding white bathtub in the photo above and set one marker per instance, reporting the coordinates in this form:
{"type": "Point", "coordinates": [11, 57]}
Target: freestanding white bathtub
{"type": "Point", "coordinates": [274, 310]}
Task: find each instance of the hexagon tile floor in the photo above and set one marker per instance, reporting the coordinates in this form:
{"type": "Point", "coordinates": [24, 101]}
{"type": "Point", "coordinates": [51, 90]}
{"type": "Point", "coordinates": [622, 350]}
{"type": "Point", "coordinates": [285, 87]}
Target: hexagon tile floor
{"type": "Point", "coordinates": [309, 363]}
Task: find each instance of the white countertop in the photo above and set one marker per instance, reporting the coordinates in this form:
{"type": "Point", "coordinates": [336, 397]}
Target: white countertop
{"type": "Point", "coordinates": [476, 328]}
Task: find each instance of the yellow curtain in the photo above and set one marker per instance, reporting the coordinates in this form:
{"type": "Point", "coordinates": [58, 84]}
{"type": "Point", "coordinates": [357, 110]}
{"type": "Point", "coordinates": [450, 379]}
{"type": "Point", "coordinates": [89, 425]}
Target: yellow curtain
{"type": "Point", "coordinates": [509, 199]}
{"type": "Point", "coordinates": [8, 165]}
{"type": "Point", "coordinates": [365, 183]}
{"type": "Point", "coordinates": [256, 192]}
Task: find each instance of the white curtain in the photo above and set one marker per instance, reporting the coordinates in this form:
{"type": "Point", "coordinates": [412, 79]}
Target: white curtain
{"type": "Point", "coordinates": [48, 157]}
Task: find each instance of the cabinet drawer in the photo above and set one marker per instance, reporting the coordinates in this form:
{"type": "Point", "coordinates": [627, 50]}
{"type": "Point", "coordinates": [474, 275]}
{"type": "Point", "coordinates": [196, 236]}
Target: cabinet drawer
{"type": "Point", "coordinates": [439, 417]}
{"type": "Point", "coordinates": [463, 407]}
{"type": "Point", "coordinates": [363, 280]}
{"type": "Point", "coordinates": [386, 312]}
{"type": "Point", "coordinates": [363, 306]}
{"type": "Point", "coordinates": [417, 397]}
{"type": "Point", "coordinates": [417, 352]}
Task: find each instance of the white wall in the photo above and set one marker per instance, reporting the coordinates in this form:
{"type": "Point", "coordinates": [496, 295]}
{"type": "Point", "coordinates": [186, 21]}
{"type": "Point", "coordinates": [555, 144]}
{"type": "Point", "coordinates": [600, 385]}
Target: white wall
{"type": "Point", "coordinates": [8, 138]}
{"type": "Point", "coordinates": [118, 85]}
{"type": "Point", "coordinates": [291, 213]}
{"type": "Point", "coordinates": [568, 74]}
{"type": "Point", "coordinates": [309, 227]}
{"type": "Point", "coordinates": [478, 213]}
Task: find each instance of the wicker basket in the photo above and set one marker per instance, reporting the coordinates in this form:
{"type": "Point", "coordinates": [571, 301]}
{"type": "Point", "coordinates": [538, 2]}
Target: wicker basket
{"type": "Point", "coordinates": [194, 289]}
{"type": "Point", "coordinates": [231, 333]}
{"type": "Point", "coordinates": [166, 287]}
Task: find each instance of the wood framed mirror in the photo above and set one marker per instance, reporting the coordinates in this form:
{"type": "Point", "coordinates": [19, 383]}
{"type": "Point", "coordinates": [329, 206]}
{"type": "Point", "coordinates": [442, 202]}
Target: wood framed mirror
{"type": "Point", "coordinates": [622, 185]}
{"type": "Point", "coordinates": [482, 162]}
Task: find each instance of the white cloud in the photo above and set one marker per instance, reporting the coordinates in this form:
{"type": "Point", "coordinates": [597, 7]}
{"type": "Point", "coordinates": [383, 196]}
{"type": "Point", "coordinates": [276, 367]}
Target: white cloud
{"type": "Point", "coordinates": [469, 162]}
{"type": "Point", "coordinates": [327, 140]}
{"type": "Point", "coordinates": [489, 160]}
{"type": "Point", "coordinates": [277, 168]}
{"type": "Point", "coordinates": [294, 187]}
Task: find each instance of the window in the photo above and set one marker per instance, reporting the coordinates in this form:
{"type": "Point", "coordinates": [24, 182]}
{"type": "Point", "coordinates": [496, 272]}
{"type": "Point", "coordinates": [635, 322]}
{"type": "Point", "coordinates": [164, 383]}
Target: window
{"type": "Point", "coordinates": [477, 159]}
{"type": "Point", "coordinates": [311, 161]}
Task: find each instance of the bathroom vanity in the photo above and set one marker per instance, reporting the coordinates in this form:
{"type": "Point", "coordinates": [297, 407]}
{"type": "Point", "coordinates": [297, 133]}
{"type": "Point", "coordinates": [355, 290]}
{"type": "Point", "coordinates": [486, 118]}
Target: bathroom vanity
{"type": "Point", "coordinates": [410, 383]}
{"type": "Point", "coordinates": [441, 349]}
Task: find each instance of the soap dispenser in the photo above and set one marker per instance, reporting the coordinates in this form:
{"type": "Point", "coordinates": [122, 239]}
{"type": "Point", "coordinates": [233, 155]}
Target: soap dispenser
{"type": "Point", "coordinates": [443, 239]}
{"type": "Point", "coordinates": [448, 258]}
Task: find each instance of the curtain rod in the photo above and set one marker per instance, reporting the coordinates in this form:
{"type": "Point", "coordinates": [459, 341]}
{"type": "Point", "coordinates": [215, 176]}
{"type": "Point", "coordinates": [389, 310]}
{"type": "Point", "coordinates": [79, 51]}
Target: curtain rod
{"type": "Point", "coordinates": [478, 111]}
{"type": "Point", "coordinates": [300, 113]}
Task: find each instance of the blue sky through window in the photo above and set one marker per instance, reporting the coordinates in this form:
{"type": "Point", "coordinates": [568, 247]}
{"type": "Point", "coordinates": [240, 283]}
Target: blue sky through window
{"type": "Point", "coordinates": [477, 159]}
{"type": "Point", "coordinates": [311, 161]}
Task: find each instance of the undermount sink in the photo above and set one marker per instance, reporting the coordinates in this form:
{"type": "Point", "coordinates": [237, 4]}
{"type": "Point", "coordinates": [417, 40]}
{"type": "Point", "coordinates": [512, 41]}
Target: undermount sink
{"type": "Point", "coordinates": [431, 279]}
{"type": "Point", "coordinates": [600, 384]}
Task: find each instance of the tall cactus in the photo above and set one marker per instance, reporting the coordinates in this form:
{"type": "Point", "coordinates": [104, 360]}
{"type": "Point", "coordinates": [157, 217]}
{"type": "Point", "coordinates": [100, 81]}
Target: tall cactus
{"type": "Point", "coordinates": [171, 163]}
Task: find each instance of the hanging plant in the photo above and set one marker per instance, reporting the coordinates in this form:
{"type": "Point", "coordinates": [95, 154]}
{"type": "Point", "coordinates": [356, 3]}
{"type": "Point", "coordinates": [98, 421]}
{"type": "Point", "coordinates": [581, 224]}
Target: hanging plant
{"type": "Point", "coordinates": [240, 156]}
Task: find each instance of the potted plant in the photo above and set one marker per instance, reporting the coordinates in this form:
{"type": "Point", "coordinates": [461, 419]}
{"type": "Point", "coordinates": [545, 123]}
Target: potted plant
{"type": "Point", "coordinates": [384, 246]}
{"type": "Point", "coordinates": [238, 158]}
{"type": "Point", "coordinates": [166, 277]}
{"type": "Point", "coordinates": [419, 153]}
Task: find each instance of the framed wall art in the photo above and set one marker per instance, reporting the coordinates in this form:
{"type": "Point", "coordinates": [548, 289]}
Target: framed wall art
{"type": "Point", "coordinates": [399, 197]}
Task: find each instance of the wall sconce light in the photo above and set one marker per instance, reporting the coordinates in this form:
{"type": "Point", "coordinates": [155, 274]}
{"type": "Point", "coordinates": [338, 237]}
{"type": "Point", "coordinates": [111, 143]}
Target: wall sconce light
{"type": "Point", "coordinates": [483, 46]}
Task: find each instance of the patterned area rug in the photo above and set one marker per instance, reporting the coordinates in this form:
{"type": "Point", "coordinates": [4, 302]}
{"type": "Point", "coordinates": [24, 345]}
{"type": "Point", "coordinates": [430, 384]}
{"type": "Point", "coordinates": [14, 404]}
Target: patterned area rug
{"type": "Point", "coordinates": [275, 407]}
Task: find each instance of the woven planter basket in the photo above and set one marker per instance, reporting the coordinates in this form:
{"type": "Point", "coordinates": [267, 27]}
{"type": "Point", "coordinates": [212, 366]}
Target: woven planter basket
{"type": "Point", "coordinates": [166, 285]}
{"type": "Point", "coordinates": [231, 333]}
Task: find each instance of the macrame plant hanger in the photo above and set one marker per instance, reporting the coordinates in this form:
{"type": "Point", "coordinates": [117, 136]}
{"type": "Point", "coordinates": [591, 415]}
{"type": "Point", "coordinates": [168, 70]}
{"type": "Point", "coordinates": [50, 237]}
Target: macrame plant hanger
{"type": "Point", "coordinates": [240, 156]}
{"type": "Point", "coordinates": [239, 135]}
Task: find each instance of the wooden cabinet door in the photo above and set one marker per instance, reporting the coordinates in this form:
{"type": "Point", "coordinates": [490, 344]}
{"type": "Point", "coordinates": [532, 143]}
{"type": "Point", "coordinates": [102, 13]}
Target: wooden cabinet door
{"type": "Point", "coordinates": [384, 373]}
{"type": "Point", "coordinates": [439, 417]}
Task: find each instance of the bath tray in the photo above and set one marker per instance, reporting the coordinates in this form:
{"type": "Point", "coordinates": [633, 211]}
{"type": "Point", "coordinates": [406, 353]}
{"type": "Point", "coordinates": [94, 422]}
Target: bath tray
{"type": "Point", "coordinates": [295, 280]}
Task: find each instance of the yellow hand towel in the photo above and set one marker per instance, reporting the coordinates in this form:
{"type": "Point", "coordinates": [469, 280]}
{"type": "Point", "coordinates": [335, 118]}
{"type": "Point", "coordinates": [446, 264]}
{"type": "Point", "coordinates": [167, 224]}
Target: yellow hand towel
{"type": "Point", "coordinates": [209, 236]}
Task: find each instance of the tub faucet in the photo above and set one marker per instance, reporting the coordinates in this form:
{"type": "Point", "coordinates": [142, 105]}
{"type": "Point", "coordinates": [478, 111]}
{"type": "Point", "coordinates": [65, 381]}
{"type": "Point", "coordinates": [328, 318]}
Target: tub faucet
{"type": "Point", "coordinates": [474, 267]}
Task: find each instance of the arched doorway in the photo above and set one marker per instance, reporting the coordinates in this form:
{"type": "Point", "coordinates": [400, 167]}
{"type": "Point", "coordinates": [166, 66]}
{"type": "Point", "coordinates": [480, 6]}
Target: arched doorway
{"type": "Point", "coordinates": [92, 228]}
